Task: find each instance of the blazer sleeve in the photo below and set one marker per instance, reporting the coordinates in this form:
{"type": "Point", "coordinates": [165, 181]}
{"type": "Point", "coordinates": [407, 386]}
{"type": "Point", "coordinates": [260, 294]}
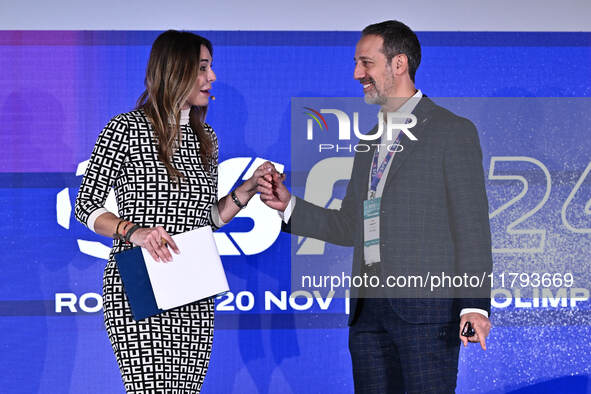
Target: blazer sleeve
{"type": "Point", "coordinates": [106, 160]}
{"type": "Point", "coordinates": [468, 213]}
{"type": "Point", "coordinates": [337, 226]}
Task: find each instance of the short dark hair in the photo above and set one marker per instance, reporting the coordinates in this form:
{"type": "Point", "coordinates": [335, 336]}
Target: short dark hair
{"type": "Point", "coordinates": [398, 39]}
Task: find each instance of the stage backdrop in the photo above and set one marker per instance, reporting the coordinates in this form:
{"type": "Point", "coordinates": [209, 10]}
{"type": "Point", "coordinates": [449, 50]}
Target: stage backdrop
{"type": "Point", "coordinates": [59, 88]}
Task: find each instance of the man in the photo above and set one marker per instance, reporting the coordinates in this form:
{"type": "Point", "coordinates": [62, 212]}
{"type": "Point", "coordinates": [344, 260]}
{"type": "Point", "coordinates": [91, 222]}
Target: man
{"type": "Point", "coordinates": [433, 218]}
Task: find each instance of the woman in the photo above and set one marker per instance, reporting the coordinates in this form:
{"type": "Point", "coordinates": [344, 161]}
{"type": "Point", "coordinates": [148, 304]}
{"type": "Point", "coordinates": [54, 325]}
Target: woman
{"type": "Point", "coordinates": [161, 159]}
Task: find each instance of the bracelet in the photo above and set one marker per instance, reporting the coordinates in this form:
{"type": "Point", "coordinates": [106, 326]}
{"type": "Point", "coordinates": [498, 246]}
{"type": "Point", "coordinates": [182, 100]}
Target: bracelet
{"type": "Point", "coordinates": [236, 200]}
{"type": "Point", "coordinates": [126, 226]}
{"type": "Point", "coordinates": [132, 230]}
{"type": "Point", "coordinates": [117, 234]}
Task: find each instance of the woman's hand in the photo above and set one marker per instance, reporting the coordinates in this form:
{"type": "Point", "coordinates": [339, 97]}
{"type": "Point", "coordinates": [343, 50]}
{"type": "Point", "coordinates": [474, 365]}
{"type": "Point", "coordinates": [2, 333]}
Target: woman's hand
{"type": "Point", "coordinates": [228, 209]}
{"type": "Point", "coordinates": [266, 169]}
{"type": "Point", "coordinates": [156, 241]}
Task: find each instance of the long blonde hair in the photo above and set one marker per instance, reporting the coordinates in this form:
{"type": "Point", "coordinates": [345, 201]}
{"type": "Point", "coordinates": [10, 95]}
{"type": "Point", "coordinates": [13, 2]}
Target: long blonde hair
{"type": "Point", "coordinates": [170, 76]}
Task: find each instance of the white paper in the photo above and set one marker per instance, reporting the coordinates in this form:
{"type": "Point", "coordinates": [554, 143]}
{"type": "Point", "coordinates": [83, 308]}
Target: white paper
{"type": "Point", "coordinates": [194, 274]}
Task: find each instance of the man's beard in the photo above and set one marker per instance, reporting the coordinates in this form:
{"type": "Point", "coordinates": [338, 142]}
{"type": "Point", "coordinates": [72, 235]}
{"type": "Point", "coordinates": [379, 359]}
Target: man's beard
{"type": "Point", "coordinates": [374, 96]}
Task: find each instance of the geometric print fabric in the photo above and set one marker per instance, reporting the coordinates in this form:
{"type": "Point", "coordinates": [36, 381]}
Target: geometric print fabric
{"type": "Point", "coordinates": [167, 353]}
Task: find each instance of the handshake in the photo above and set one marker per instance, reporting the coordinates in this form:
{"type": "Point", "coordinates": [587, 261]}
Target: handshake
{"type": "Point", "coordinates": [269, 183]}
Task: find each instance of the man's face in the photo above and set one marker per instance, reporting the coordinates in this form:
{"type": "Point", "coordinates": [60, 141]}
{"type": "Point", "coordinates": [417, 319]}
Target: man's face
{"type": "Point", "coordinates": [373, 71]}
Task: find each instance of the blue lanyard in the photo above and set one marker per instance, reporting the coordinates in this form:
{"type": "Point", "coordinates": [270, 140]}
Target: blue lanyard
{"type": "Point", "coordinates": [377, 173]}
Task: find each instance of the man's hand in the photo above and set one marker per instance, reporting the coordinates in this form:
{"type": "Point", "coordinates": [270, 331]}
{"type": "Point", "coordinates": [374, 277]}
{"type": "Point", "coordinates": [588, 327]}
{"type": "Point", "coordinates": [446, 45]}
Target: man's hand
{"type": "Point", "coordinates": [273, 191]}
{"type": "Point", "coordinates": [251, 185]}
{"type": "Point", "coordinates": [481, 325]}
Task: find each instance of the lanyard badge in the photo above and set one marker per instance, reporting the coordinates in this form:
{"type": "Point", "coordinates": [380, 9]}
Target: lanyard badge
{"type": "Point", "coordinates": [371, 209]}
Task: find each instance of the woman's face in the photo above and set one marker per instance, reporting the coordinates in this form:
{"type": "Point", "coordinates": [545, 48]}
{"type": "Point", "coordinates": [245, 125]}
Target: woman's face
{"type": "Point", "coordinates": [199, 96]}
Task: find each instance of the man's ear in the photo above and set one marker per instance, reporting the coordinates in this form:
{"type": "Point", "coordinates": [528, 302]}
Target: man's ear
{"type": "Point", "coordinates": [399, 64]}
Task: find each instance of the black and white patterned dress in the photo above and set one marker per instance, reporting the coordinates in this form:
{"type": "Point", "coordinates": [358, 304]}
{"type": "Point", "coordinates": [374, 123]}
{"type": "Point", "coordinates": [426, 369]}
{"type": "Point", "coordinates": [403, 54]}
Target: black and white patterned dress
{"type": "Point", "coordinates": [167, 353]}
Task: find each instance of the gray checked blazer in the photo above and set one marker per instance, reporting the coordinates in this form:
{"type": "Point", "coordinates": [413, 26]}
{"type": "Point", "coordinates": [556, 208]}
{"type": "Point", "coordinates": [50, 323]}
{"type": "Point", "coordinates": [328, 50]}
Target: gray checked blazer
{"type": "Point", "coordinates": [433, 218]}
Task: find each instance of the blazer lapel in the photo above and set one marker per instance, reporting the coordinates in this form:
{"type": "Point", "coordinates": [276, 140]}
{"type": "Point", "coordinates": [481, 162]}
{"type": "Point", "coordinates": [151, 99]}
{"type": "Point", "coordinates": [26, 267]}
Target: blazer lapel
{"type": "Point", "coordinates": [423, 112]}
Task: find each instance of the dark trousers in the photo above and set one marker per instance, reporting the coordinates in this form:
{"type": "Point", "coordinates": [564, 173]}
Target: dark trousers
{"type": "Point", "coordinates": [391, 355]}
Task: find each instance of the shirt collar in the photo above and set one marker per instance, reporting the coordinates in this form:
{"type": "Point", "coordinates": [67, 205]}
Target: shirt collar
{"type": "Point", "coordinates": [411, 103]}
{"type": "Point", "coordinates": [407, 108]}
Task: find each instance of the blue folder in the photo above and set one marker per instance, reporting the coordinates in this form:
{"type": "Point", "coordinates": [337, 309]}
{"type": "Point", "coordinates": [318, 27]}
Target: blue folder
{"type": "Point", "coordinates": [136, 282]}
